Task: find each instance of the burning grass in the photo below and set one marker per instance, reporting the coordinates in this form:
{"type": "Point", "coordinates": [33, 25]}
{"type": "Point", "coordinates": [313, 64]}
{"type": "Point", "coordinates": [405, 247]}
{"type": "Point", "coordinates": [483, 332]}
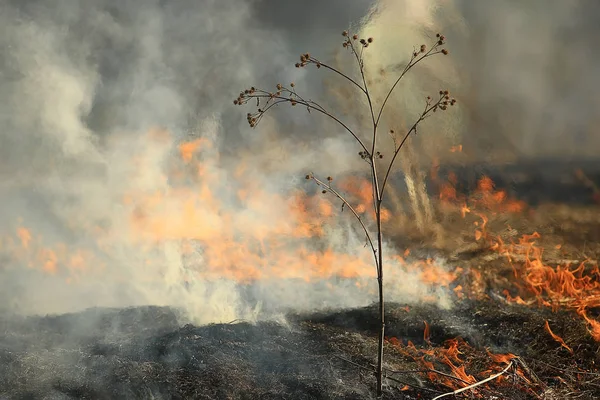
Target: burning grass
{"type": "Point", "coordinates": [522, 276]}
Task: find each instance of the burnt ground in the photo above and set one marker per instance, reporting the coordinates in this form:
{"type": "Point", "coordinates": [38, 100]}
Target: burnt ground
{"type": "Point", "coordinates": [144, 353]}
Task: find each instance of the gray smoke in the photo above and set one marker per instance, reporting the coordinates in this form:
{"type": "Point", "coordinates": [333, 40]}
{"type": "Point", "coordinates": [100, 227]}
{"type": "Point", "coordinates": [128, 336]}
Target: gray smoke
{"type": "Point", "coordinates": [89, 88]}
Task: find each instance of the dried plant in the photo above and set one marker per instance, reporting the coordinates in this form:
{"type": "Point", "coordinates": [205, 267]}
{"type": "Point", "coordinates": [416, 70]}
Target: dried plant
{"type": "Point", "coordinates": [379, 171]}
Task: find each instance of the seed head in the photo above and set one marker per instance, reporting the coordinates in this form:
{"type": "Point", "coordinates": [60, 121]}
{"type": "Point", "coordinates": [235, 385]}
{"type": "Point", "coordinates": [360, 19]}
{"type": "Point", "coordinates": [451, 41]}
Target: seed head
{"type": "Point", "coordinates": [297, 65]}
{"type": "Point", "coordinates": [355, 36]}
{"type": "Point", "coordinates": [423, 48]}
{"type": "Point", "coordinates": [370, 40]}
{"type": "Point", "coordinates": [292, 84]}
{"type": "Point", "coordinates": [307, 177]}
{"type": "Point", "coordinates": [344, 34]}
{"type": "Point", "coordinates": [363, 41]}
{"type": "Point", "coordinates": [445, 52]}
{"type": "Point", "coordinates": [329, 178]}
{"type": "Point", "coordinates": [235, 102]}
{"type": "Point", "coordinates": [437, 35]}
{"type": "Point", "coordinates": [324, 191]}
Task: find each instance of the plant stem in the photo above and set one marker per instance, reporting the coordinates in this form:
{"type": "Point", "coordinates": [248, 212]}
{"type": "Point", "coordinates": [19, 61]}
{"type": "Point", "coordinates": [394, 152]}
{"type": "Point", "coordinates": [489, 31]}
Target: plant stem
{"type": "Point", "coordinates": [381, 300]}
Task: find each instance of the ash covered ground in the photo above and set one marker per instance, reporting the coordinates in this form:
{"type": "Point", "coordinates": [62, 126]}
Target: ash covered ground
{"type": "Point", "coordinates": [144, 353]}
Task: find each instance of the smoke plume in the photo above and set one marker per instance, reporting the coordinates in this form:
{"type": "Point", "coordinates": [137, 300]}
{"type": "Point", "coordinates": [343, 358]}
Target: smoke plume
{"type": "Point", "coordinates": [128, 177]}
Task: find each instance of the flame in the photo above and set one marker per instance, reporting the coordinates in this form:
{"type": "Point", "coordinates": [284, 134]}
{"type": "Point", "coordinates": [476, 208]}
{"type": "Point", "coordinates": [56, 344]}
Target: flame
{"type": "Point", "coordinates": [577, 288]}
{"type": "Point", "coordinates": [557, 338]}
{"type": "Point", "coordinates": [426, 332]}
{"type": "Point", "coordinates": [231, 225]}
{"type": "Point", "coordinates": [484, 198]}
{"type": "Point", "coordinates": [25, 236]}
{"type": "Point", "coordinates": [448, 355]}
{"type": "Point", "coordinates": [501, 358]}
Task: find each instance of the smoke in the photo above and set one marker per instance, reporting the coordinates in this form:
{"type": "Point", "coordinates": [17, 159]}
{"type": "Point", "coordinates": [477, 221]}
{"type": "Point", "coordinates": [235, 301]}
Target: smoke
{"type": "Point", "coordinates": [121, 150]}
{"type": "Point", "coordinates": [97, 101]}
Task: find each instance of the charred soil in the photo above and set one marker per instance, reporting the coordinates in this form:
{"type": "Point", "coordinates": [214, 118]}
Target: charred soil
{"type": "Point", "coordinates": [144, 353]}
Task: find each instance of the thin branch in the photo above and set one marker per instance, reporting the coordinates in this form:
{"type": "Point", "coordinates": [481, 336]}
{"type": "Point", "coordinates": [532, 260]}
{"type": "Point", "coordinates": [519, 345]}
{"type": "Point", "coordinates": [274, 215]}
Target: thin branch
{"type": "Point", "coordinates": [311, 106]}
{"type": "Point", "coordinates": [418, 387]}
{"type": "Point", "coordinates": [414, 61]}
{"type": "Point", "coordinates": [360, 61]}
{"type": "Point", "coordinates": [413, 129]}
{"type": "Point", "coordinates": [375, 183]}
{"type": "Point", "coordinates": [572, 371]}
{"type": "Point", "coordinates": [427, 370]}
{"type": "Point", "coordinates": [337, 71]}
{"type": "Point", "coordinates": [491, 378]}
{"type": "Point", "coordinates": [339, 196]}
{"type": "Point", "coordinates": [372, 370]}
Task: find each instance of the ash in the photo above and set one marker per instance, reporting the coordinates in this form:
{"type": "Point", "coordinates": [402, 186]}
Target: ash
{"type": "Point", "coordinates": [145, 353]}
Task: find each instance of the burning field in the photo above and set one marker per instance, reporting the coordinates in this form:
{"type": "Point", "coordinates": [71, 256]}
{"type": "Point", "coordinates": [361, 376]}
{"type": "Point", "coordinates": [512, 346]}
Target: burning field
{"type": "Point", "coordinates": [153, 246]}
{"type": "Point", "coordinates": [513, 288]}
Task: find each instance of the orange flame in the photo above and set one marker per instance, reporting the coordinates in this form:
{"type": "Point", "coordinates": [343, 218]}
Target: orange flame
{"type": "Point", "coordinates": [557, 338]}
{"type": "Point", "coordinates": [560, 286]}
{"type": "Point", "coordinates": [426, 332]}
{"type": "Point", "coordinates": [238, 229]}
